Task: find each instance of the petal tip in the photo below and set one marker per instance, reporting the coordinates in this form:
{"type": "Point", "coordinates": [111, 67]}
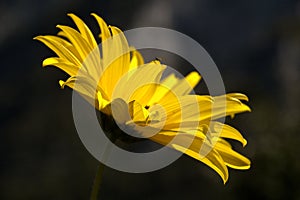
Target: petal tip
{"type": "Point", "coordinates": [62, 84]}
{"type": "Point", "coordinates": [244, 142]}
{"type": "Point", "coordinates": [39, 37]}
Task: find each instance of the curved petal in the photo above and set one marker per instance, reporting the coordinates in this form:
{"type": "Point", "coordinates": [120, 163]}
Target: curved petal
{"type": "Point", "coordinates": [226, 131]}
{"type": "Point", "coordinates": [138, 86]}
{"type": "Point", "coordinates": [62, 64]}
{"type": "Point", "coordinates": [191, 147]}
{"type": "Point", "coordinates": [200, 108]}
{"type": "Point", "coordinates": [212, 159]}
{"type": "Point", "coordinates": [105, 33]}
{"type": "Point", "coordinates": [180, 87]}
{"type": "Point", "coordinates": [232, 158]}
{"type": "Point", "coordinates": [77, 40]}
{"type": "Point", "coordinates": [116, 63]}
{"type": "Point", "coordinates": [136, 59]}
{"type": "Point", "coordinates": [84, 30]}
{"type": "Point", "coordinates": [60, 47]}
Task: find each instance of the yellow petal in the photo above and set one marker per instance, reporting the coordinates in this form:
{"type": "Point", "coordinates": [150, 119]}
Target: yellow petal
{"type": "Point", "coordinates": [104, 35]}
{"type": "Point", "coordinates": [232, 158]}
{"type": "Point", "coordinates": [183, 86]}
{"type": "Point", "coordinates": [163, 88]}
{"type": "Point", "coordinates": [186, 85]}
{"type": "Point", "coordinates": [116, 63]}
{"type": "Point", "coordinates": [183, 108]}
{"type": "Point", "coordinates": [80, 44]}
{"type": "Point", "coordinates": [83, 90]}
{"type": "Point", "coordinates": [238, 96]}
{"type": "Point", "coordinates": [233, 106]}
{"type": "Point", "coordinates": [222, 141]}
{"type": "Point", "coordinates": [81, 85]}
{"type": "Point", "coordinates": [138, 86]}
{"type": "Point", "coordinates": [120, 111]}
{"type": "Point", "coordinates": [193, 79]}
{"type": "Point", "coordinates": [60, 47]}
{"type": "Point", "coordinates": [226, 131]}
{"type": "Point", "coordinates": [221, 106]}
{"type": "Point", "coordinates": [101, 101]}
{"type": "Point", "coordinates": [137, 112]}
{"type": "Point", "coordinates": [136, 59]}
{"type": "Point", "coordinates": [181, 143]}
{"type": "Point", "coordinates": [88, 56]}
{"type": "Point", "coordinates": [77, 40]}
{"type": "Point", "coordinates": [119, 49]}
{"type": "Point", "coordinates": [212, 159]}
{"type": "Point", "coordinates": [85, 87]}
{"type": "Point", "coordinates": [62, 64]}
{"type": "Point", "coordinates": [170, 81]}
{"type": "Point", "coordinates": [89, 38]}
{"type": "Point", "coordinates": [84, 30]}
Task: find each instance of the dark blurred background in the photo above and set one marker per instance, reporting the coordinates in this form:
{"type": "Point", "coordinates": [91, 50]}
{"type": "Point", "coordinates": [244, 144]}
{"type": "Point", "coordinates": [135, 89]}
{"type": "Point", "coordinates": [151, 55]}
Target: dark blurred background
{"type": "Point", "coordinates": [255, 44]}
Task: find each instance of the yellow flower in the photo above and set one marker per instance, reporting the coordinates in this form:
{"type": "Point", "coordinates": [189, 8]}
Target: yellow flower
{"type": "Point", "coordinates": [115, 79]}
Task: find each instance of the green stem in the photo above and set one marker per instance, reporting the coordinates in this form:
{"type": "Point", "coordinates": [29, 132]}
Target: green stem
{"type": "Point", "coordinates": [97, 182]}
{"type": "Point", "coordinates": [99, 174]}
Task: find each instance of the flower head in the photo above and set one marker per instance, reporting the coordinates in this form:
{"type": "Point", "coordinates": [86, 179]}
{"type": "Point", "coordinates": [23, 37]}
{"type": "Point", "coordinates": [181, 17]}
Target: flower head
{"type": "Point", "coordinates": [114, 78]}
